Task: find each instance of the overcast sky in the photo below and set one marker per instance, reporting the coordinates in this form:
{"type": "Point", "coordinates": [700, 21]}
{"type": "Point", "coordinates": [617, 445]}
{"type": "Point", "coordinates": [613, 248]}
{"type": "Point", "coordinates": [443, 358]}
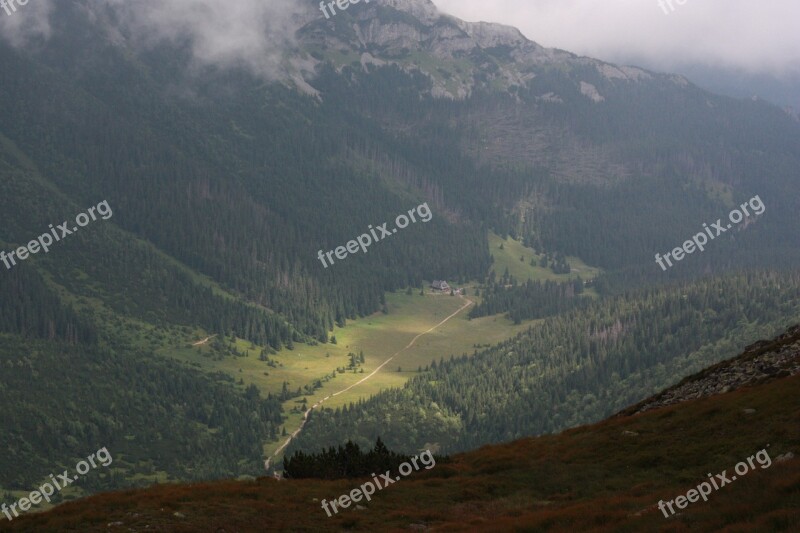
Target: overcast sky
{"type": "Point", "coordinates": [760, 36]}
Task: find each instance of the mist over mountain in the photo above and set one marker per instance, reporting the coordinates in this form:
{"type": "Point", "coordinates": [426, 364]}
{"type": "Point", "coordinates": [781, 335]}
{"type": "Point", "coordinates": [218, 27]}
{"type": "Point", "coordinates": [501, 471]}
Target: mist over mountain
{"type": "Point", "coordinates": [604, 231]}
{"type": "Point", "coordinates": [782, 91]}
{"type": "Point", "coordinates": [703, 40]}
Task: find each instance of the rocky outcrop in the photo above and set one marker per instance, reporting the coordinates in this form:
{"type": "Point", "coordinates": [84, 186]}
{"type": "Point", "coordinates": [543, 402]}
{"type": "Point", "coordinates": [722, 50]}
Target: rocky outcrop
{"type": "Point", "coordinates": [761, 362]}
{"type": "Point", "coordinates": [460, 56]}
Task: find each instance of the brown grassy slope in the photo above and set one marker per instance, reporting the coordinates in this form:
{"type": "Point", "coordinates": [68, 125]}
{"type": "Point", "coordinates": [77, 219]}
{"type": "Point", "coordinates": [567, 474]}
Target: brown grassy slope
{"type": "Point", "coordinates": [590, 478]}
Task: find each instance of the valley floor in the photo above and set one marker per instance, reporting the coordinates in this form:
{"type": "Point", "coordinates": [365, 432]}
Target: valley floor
{"type": "Point", "coordinates": [417, 331]}
{"type": "Point", "coordinates": [604, 477]}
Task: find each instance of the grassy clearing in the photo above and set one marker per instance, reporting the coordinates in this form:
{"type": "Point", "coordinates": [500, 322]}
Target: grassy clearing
{"type": "Point", "coordinates": [512, 250]}
{"type": "Point", "coordinates": [379, 336]}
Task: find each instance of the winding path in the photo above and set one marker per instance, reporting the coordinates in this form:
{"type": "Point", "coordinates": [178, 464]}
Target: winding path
{"type": "Point", "coordinates": [200, 343]}
{"type": "Point", "coordinates": [362, 380]}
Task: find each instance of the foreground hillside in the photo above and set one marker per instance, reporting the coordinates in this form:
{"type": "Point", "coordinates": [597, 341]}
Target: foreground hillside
{"type": "Point", "coordinates": [605, 477]}
{"type": "Point", "coordinates": [223, 185]}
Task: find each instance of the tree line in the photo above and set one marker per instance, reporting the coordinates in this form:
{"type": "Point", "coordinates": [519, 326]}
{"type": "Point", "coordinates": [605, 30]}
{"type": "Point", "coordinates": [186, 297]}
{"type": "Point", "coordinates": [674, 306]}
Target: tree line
{"type": "Point", "coordinates": [574, 368]}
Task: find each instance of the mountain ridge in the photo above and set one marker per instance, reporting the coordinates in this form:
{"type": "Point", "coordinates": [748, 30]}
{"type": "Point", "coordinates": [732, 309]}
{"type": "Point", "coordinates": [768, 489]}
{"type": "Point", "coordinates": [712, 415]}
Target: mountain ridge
{"type": "Point", "coordinates": [380, 37]}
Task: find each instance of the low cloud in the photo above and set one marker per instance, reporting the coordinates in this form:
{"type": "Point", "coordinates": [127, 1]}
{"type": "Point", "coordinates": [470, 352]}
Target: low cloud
{"type": "Point", "coordinates": [757, 37]}
{"type": "Point", "coordinates": [27, 23]}
{"type": "Point", "coordinates": [243, 33]}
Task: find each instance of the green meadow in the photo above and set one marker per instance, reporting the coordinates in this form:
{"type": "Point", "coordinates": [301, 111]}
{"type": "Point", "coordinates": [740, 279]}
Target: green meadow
{"type": "Point", "coordinates": [509, 257]}
{"type": "Point", "coordinates": [379, 336]}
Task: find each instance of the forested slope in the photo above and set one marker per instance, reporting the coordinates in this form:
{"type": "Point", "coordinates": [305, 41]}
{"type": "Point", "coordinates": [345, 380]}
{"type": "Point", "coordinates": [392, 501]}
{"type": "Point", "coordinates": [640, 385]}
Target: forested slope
{"type": "Point", "coordinates": [571, 369]}
{"type": "Point", "coordinates": [219, 207]}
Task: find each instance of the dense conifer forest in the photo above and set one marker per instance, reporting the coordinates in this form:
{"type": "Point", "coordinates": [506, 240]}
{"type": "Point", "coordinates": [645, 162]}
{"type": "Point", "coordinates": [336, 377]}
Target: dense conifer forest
{"type": "Point", "coordinates": [530, 300]}
{"type": "Point", "coordinates": [346, 461]}
{"type": "Point", "coordinates": [574, 368]}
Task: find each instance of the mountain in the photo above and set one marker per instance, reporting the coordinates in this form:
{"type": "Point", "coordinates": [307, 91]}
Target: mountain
{"type": "Point", "coordinates": [605, 477]}
{"type": "Point", "coordinates": [226, 175]}
{"type": "Point", "coordinates": [458, 58]}
{"type": "Point", "coordinates": [567, 134]}
{"type": "Point", "coordinates": [781, 90]}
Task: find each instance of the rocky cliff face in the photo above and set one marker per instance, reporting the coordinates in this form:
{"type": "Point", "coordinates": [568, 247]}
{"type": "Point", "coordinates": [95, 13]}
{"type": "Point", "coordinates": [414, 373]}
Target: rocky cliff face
{"type": "Point", "coordinates": [457, 56]}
